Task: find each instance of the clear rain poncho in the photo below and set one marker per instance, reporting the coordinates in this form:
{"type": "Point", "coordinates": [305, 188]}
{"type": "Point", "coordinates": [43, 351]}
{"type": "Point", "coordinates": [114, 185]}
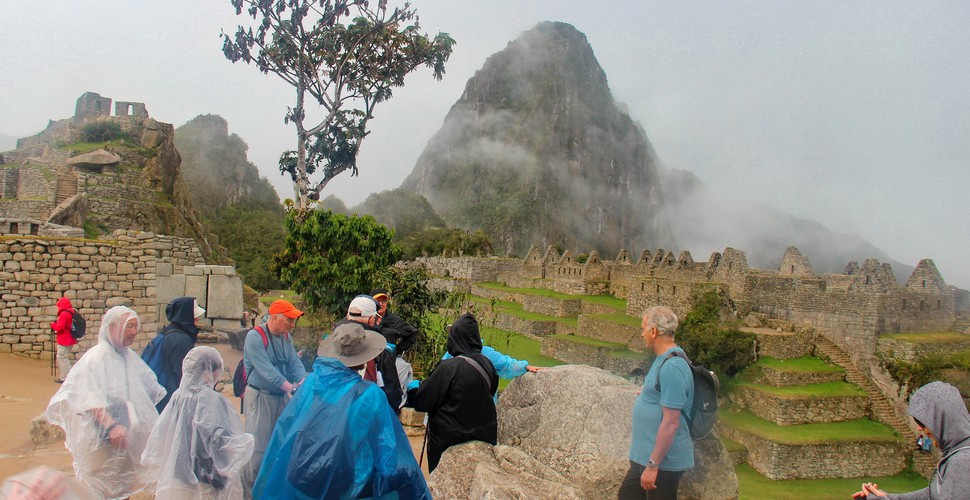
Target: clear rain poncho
{"type": "Point", "coordinates": [110, 383]}
{"type": "Point", "coordinates": [199, 447]}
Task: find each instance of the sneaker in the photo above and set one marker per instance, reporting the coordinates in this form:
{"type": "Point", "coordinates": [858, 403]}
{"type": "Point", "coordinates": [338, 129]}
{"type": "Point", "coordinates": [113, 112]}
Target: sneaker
{"type": "Point", "coordinates": [58, 381]}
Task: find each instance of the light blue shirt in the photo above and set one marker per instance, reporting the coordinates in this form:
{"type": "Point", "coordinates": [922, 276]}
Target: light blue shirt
{"type": "Point", "coordinates": [677, 392]}
{"type": "Point", "coordinates": [268, 367]}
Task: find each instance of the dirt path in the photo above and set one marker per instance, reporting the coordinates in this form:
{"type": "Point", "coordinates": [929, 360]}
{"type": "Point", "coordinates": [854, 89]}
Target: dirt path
{"type": "Point", "coordinates": [26, 385]}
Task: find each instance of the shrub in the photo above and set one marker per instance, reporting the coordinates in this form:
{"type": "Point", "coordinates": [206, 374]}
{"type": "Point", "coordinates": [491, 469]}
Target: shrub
{"type": "Point", "coordinates": [927, 368]}
{"type": "Point", "coordinates": [726, 351]}
{"type": "Point", "coordinates": [101, 131]}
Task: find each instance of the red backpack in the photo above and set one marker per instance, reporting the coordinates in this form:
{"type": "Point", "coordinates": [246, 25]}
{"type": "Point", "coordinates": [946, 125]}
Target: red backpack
{"type": "Point", "coordinates": [239, 377]}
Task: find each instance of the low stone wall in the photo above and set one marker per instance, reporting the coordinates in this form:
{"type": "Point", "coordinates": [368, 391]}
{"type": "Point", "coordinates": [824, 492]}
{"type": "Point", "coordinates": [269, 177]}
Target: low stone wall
{"type": "Point", "coordinates": [796, 411]}
{"type": "Point", "coordinates": [95, 274]}
{"type": "Point", "coordinates": [820, 461]}
{"type": "Point", "coordinates": [530, 328]}
{"type": "Point", "coordinates": [601, 329]}
{"type": "Point", "coordinates": [470, 268]}
{"type": "Point", "coordinates": [27, 209]}
{"type": "Point", "coordinates": [784, 345]}
{"type": "Point", "coordinates": [550, 306]}
{"type": "Point", "coordinates": [780, 378]}
{"type": "Point", "coordinates": [491, 293]}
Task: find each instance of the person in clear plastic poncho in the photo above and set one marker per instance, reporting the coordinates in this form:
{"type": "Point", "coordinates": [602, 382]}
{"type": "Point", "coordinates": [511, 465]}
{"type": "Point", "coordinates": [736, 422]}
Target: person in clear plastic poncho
{"type": "Point", "coordinates": [107, 409]}
{"type": "Point", "coordinates": [198, 446]}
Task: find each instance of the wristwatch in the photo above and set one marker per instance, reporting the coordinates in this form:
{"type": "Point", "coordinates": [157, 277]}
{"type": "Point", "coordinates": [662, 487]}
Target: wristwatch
{"type": "Point", "coordinates": [652, 465]}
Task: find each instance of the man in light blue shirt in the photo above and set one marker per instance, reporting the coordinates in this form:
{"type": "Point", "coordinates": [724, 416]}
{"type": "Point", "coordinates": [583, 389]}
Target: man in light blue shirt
{"type": "Point", "coordinates": [661, 449]}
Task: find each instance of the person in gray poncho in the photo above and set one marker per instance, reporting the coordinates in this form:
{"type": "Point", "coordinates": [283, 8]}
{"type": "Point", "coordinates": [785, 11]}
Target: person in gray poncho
{"type": "Point", "coordinates": [940, 413]}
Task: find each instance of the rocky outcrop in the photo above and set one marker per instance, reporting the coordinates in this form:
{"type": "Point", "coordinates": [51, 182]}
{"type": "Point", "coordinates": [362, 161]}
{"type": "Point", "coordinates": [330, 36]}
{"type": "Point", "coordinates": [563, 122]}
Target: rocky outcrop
{"type": "Point", "coordinates": [94, 161]}
{"type": "Point", "coordinates": [71, 212]}
{"type": "Point", "coordinates": [569, 425]}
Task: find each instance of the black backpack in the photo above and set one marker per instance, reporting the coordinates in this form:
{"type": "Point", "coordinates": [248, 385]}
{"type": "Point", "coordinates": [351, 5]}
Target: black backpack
{"type": "Point", "coordinates": [78, 325]}
{"type": "Point", "coordinates": [703, 413]}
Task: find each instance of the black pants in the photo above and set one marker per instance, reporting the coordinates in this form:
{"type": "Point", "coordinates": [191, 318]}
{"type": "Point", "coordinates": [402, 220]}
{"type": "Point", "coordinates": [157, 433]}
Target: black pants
{"type": "Point", "coordinates": [667, 483]}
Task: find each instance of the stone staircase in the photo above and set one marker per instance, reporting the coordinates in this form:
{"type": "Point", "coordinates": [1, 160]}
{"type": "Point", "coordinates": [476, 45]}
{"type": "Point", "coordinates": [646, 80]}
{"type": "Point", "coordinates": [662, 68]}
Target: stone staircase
{"type": "Point", "coordinates": [66, 185]}
{"type": "Point", "coordinates": [881, 409]}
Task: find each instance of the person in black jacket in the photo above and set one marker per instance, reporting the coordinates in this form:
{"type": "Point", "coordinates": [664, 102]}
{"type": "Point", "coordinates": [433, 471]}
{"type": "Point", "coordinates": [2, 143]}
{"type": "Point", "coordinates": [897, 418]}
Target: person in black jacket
{"type": "Point", "coordinates": [458, 394]}
{"type": "Point", "coordinates": [182, 330]}
{"type": "Point", "coordinates": [393, 327]}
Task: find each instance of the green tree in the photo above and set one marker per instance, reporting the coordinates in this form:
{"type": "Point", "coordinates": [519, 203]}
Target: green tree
{"type": "Point", "coordinates": [329, 258]}
{"type": "Point", "coordinates": [347, 55]}
{"type": "Point", "coordinates": [707, 342]}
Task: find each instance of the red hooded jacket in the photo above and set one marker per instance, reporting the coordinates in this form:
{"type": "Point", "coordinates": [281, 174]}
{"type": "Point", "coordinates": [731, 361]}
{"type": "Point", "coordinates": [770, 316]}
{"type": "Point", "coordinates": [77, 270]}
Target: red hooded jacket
{"type": "Point", "coordinates": [62, 325]}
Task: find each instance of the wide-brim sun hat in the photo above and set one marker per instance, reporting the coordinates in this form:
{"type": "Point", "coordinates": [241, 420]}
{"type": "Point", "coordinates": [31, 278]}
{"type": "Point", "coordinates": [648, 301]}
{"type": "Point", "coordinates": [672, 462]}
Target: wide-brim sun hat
{"type": "Point", "coordinates": [352, 345]}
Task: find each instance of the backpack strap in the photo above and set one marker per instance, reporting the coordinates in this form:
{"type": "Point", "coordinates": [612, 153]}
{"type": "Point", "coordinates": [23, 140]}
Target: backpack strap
{"type": "Point", "coordinates": [262, 333]}
{"type": "Point", "coordinates": [479, 369]}
{"type": "Point", "coordinates": [671, 354]}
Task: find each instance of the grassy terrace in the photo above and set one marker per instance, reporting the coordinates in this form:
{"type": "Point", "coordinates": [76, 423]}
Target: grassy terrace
{"type": "Point", "coordinates": [603, 300]}
{"type": "Point", "coordinates": [515, 309]}
{"type": "Point", "coordinates": [516, 345]}
{"type": "Point", "coordinates": [754, 486]}
{"type": "Point", "coordinates": [578, 339]}
{"type": "Point", "coordinates": [622, 319]}
{"type": "Point", "coordinates": [855, 430]}
{"type": "Point", "coordinates": [806, 364]}
{"type": "Point", "coordinates": [929, 337]}
{"type": "Point", "coordinates": [827, 389]}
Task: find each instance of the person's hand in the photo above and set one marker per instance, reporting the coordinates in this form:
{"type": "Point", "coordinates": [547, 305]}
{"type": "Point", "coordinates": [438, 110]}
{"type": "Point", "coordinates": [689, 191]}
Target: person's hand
{"type": "Point", "coordinates": [287, 387]}
{"type": "Point", "coordinates": [868, 488]}
{"type": "Point", "coordinates": [648, 480]}
{"type": "Point", "coordinates": [532, 369]}
{"type": "Point", "coordinates": [118, 436]}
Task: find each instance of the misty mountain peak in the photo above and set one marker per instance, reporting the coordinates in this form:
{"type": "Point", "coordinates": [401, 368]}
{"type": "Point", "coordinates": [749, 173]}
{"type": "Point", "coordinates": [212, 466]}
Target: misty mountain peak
{"type": "Point", "coordinates": [536, 151]}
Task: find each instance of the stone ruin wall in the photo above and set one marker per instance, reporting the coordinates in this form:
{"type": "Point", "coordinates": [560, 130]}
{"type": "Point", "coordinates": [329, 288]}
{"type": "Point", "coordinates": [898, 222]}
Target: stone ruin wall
{"type": "Point", "coordinates": [138, 269]}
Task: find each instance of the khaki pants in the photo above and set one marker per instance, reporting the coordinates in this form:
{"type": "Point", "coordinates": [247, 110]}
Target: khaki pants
{"type": "Point", "coordinates": [64, 360]}
{"type": "Point", "coordinates": [261, 410]}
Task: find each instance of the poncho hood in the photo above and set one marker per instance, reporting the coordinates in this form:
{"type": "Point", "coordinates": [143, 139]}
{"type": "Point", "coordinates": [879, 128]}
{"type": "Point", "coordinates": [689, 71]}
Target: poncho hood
{"type": "Point", "coordinates": [464, 337]}
{"type": "Point", "coordinates": [181, 313]}
{"type": "Point", "coordinates": [64, 303]}
{"type": "Point", "coordinates": [940, 408]}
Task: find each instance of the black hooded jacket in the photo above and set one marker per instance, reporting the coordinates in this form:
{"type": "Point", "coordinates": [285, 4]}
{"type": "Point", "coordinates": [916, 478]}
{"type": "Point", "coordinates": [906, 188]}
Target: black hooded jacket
{"type": "Point", "coordinates": [180, 336]}
{"type": "Point", "coordinates": [457, 398]}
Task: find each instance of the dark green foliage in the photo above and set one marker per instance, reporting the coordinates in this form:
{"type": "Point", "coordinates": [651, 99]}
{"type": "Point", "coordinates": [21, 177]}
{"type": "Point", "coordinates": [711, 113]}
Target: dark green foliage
{"type": "Point", "coordinates": [101, 131]}
{"type": "Point", "coordinates": [442, 241]}
{"type": "Point", "coordinates": [252, 237]}
{"type": "Point", "coordinates": [725, 351]}
{"type": "Point", "coordinates": [329, 258]}
{"type": "Point", "coordinates": [927, 368]}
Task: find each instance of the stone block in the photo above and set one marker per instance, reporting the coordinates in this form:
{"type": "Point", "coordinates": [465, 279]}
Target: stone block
{"type": "Point", "coordinates": [163, 269]}
{"type": "Point", "coordinates": [87, 294]}
{"type": "Point", "coordinates": [107, 267]}
{"type": "Point", "coordinates": [224, 297]}
{"type": "Point", "coordinates": [196, 286]}
{"type": "Point", "coordinates": [20, 347]}
{"type": "Point", "coordinates": [229, 325]}
{"type": "Point", "coordinates": [193, 271]}
{"type": "Point", "coordinates": [43, 432]}
{"type": "Point", "coordinates": [28, 301]}
{"type": "Point", "coordinates": [117, 301]}
{"type": "Point", "coordinates": [169, 287]}
{"type": "Point", "coordinates": [223, 270]}
{"type": "Point", "coordinates": [125, 268]}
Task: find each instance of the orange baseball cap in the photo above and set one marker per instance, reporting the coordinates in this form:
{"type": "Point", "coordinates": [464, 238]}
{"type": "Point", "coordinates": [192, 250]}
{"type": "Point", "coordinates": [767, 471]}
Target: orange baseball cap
{"type": "Point", "coordinates": [286, 308]}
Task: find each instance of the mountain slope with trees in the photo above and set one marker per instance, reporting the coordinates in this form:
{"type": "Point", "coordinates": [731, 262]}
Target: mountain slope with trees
{"type": "Point", "coordinates": [239, 206]}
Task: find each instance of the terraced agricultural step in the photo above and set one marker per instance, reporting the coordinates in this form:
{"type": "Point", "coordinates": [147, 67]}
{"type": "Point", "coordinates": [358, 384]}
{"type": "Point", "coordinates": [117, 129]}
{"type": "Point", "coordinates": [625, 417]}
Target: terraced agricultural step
{"type": "Point", "coordinates": [798, 371]}
{"type": "Point", "coordinates": [781, 345]}
{"type": "Point", "coordinates": [611, 328]}
{"type": "Point", "coordinates": [807, 404]}
{"type": "Point", "coordinates": [610, 356]}
{"type": "Point", "coordinates": [860, 448]}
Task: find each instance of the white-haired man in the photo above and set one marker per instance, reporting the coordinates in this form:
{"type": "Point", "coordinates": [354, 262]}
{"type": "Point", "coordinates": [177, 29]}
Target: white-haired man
{"type": "Point", "coordinates": [661, 449]}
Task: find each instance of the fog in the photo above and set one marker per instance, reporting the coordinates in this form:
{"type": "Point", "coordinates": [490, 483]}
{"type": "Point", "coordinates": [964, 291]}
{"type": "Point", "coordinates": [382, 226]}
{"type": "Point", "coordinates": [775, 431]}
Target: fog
{"type": "Point", "coordinates": [854, 114]}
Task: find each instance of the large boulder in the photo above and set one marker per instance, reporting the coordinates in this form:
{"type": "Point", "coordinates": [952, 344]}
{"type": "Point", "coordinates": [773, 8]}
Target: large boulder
{"type": "Point", "coordinates": [71, 212]}
{"type": "Point", "coordinates": [480, 470]}
{"type": "Point", "coordinates": [95, 160]}
{"type": "Point", "coordinates": [43, 432]}
{"type": "Point", "coordinates": [574, 423]}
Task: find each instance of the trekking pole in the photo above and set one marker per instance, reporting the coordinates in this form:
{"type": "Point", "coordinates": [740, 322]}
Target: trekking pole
{"type": "Point", "coordinates": [424, 443]}
{"type": "Point", "coordinates": [53, 352]}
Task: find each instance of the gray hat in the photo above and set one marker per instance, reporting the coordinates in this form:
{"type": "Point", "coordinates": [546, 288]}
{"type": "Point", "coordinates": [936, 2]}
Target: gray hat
{"type": "Point", "coordinates": [352, 345]}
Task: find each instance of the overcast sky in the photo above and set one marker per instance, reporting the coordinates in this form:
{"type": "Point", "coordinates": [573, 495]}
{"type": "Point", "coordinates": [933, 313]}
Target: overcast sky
{"type": "Point", "coordinates": [856, 114]}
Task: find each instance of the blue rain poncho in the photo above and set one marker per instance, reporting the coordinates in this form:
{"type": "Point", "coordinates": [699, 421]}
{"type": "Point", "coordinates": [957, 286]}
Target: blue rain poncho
{"type": "Point", "coordinates": [339, 439]}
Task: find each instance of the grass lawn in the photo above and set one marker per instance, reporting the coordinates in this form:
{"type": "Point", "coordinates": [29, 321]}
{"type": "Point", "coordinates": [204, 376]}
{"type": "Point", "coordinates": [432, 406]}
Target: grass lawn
{"type": "Point", "coordinates": [827, 389]}
{"type": "Point", "coordinates": [854, 430]}
{"type": "Point", "coordinates": [603, 300]}
{"type": "Point", "coordinates": [754, 486]}
{"type": "Point", "coordinates": [578, 339]}
{"type": "Point", "coordinates": [274, 295]}
{"type": "Point", "coordinates": [517, 346]}
{"type": "Point", "coordinates": [515, 309]}
{"type": "Point", "coordinates": [928, 337]}
{"type": "Point", "coordinates": [803, 364]}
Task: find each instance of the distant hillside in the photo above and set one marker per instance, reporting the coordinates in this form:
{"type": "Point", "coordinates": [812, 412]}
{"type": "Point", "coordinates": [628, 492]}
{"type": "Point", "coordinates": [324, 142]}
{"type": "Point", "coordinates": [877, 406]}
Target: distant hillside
{"type": "Point", "coordinates": [241, 207]}
{"type": "Point", "coordinates": [536, 151]}
{"type": "Point", "coordinates": [704, 220]}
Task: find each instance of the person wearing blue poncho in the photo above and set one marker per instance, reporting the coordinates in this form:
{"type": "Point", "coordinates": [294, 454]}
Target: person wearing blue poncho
{"type": "Point", "coordinates": [338, 438]}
